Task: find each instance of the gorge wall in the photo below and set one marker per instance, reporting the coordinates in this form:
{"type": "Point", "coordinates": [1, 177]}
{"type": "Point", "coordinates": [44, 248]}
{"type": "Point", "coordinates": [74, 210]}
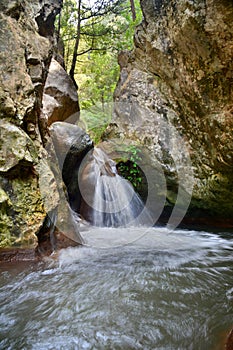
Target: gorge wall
{"type": "Point", "coordinates": [180, 77]}
{"type": "Point", "coordinates": [30, 184]}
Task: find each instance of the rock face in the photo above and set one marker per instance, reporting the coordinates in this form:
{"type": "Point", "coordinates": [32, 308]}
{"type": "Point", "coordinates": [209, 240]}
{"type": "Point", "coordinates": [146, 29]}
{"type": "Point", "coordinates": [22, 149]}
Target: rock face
{"type": "Point", "coordinates": [29, 190]}
{"type": "Point", "coordinates": [71, 144]}
{"type": "Point", "coordinates": [24, 60]}
{"type": "Point", "coordinates": [174, 98]}
{"type": "Point", "coordinates": [229, 343]}
{"type": "Point", "coordinates": [60, 98]}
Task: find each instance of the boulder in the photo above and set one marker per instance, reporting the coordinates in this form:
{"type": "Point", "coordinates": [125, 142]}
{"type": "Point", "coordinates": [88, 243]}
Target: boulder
{"type": "Point", "coordinates": [71, 144]}
{"type": "Point", "coordinates": [60, 98]}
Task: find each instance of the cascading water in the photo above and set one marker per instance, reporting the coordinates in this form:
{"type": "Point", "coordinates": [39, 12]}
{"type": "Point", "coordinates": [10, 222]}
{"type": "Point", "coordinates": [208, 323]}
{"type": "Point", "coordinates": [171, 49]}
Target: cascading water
{"type": "Point", "coordinates": [109, 199]}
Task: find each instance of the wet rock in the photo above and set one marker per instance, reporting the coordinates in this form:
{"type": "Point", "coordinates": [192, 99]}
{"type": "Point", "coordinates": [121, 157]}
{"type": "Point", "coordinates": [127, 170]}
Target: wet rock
{"type": "Point", "coordinates": [71, 144]}
{"type": "Point", "coordinates": [60, 226]}
{"type": "Point", "coordinates": [17, 254]}
{"type": "Point", "coordinates": [229, 342]}
{"type": "Point", "coordinates": [60, 99]}
{"type": "Point", "coordinates": [69, 140]}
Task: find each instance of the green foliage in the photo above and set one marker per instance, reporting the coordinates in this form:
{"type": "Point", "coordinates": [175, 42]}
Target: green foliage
{"type": "Point", "coordinates": [96, 118]}
{"type": "Point", "coordinates": [97, 79]}
{"type": "Point", "coordinates": [98, 71]}
{"type": "Point", "coordinates": [130, 169]}
{"type": "Point", "coordinates": [102, 36]}
{"type": "Point", "coordinates": [105, 26]}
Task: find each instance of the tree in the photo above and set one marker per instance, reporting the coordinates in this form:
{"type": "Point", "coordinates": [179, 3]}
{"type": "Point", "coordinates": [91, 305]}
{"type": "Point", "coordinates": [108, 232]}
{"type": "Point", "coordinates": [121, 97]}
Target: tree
{"type": "Point", "coordinates": [76, 46]}
{"type": "Point", "coordinates": [88, 20]}
{"type": "Point", "coordinates": [133, 10]}
{"type": "Point", "coordinates": [93, 36]}
{"type": "Point", "coordinates": [88, 23]}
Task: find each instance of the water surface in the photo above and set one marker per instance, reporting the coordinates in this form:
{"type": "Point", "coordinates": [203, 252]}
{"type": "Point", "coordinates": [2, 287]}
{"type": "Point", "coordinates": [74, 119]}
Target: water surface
{"type": "Point", "coordinates": [127, 289]}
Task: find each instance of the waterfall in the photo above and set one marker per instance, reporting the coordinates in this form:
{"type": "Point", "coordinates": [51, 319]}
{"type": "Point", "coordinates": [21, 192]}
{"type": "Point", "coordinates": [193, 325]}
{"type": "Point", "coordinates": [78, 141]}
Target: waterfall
{"type": "Point", "coordinates": [109, 200]}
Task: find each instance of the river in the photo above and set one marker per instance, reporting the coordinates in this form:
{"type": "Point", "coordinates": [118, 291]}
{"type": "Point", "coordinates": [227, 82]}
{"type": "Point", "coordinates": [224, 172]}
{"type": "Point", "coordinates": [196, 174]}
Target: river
{"type": "Point", "coordinates": [141, 289]}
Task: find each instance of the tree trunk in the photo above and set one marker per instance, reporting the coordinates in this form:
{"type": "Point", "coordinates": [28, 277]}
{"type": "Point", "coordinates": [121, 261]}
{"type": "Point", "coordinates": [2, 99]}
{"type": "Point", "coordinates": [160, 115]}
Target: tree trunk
{"type": "Point", "coordinates": [59, 27]}
{"type": "Point", "coordinates": [76, 46]}
{"type": "Point", "coordinates": [132, 5]}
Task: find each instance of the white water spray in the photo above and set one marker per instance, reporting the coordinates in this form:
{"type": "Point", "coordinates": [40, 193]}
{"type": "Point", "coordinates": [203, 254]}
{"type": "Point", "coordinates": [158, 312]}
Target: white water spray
{"type": "Point", "coordinates": [109, 199]}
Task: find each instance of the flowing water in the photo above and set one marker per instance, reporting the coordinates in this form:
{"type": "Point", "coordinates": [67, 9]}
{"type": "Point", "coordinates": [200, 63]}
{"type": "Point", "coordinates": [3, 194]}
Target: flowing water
{"type": "Point", "coordinates": [111, 199]}
{"type": "Point", "coordinates": [129, 288]}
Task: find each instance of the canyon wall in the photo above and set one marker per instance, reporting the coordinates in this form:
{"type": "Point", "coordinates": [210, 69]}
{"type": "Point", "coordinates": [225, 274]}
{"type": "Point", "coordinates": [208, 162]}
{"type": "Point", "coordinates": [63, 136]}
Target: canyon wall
{"type": "Point", "coordinates": [30, 185]}
{"type": "Point", "coordinates": [174, 99]}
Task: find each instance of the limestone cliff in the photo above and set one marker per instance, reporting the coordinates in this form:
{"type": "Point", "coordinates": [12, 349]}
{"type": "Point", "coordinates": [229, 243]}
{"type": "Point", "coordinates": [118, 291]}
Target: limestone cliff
{"type": "Point", "coordinates": [28, 188]}
{"type": "Point", "coordinates": [180, 77]}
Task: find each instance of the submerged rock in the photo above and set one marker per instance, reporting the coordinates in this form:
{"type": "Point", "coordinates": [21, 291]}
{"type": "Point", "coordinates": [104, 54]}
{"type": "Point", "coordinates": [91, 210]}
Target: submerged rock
{"type": "Point", "coordinates": [174, 98]}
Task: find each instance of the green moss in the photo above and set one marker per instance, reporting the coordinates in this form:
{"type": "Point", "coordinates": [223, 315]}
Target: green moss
{"type": "Point", "coordinates": [215, 195]}
{"type": "Point", "coordinates": [6, 239]}
{"type": "Point", "coordinates": [21, 209]}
